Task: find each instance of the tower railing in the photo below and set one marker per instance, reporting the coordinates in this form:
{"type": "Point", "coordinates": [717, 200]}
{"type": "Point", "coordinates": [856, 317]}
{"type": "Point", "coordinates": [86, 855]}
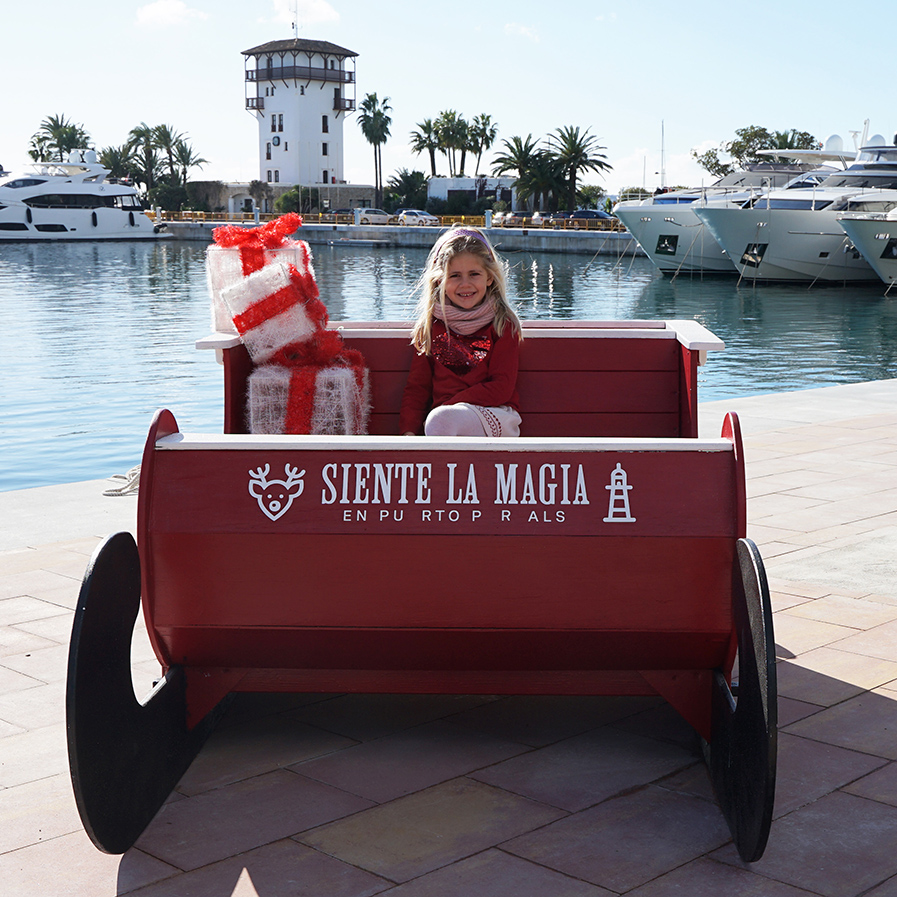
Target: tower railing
{"type": "Point", "coordinates": [300, 73]}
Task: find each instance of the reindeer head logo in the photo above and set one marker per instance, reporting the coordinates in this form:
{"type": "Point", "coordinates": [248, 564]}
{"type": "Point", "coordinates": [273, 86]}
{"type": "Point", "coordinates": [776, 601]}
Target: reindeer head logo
{"type": "Point", "coordinates": [275, 496]}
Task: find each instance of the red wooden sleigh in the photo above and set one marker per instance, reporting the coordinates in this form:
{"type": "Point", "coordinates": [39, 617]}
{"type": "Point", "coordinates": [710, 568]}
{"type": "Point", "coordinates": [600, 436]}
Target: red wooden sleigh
{"type": "Point", "coordinates": [616, 563]}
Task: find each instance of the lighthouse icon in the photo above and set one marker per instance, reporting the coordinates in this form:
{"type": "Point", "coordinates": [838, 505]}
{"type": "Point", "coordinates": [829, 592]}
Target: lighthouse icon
{"type": "Point", "coordinates": [618, 503]}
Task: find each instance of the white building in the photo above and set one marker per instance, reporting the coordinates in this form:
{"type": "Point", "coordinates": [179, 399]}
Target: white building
{"type": "Point", "coordinates": [300, 92]}
{"type": "Point", "coordinates": [472, 189]}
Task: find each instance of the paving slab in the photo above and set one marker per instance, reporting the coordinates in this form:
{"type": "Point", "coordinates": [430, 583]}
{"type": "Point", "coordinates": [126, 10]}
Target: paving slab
{"type": "Point", "coordinates": [510, 796]}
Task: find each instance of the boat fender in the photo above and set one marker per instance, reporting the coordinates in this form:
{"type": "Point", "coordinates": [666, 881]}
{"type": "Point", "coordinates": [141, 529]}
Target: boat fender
{"type": "Point", "coordinates": [93, 218]}
{"type": "Point", "coordinates": [28, 215]}
{"type": "Point", "coordinates": [131, 218]}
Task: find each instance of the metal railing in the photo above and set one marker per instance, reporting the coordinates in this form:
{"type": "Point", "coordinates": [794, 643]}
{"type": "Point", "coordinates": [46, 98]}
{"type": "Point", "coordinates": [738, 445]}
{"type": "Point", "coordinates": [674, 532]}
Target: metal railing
{"type": "Point", "coordinates": [599, 224]}
{"type": "Point", "coordinates": [299, 73]}
{"type": "Point", "coordinates": [444, 220]}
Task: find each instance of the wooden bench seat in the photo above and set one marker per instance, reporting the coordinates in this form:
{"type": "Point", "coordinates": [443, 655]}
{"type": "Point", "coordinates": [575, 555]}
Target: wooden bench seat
{"type": "Point", "coordinates": [602, 552]}
{"type": "Point", "coordinates": [577, 378]}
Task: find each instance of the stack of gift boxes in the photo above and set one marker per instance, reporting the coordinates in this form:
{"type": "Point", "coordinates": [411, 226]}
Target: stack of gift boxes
{"type": "Point", "coordinates": [262, 285]}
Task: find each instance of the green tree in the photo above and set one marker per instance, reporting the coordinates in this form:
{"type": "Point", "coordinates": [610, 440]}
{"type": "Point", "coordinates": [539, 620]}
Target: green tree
{"type": "Point", "coordinates": [186, 158]}
{"type": "Point", "coordinates": [147, 164]}
{"type": "Point", "coordinates": [165, 138]}
{"type": "Point", "coordinates": [518, 158]}
{"type": "Point", "coordinates": [58, 136]}
{"type": "Point", "coordinates": [408, 189]}
{"type": "Point", "coordinates": [744, 149]}
{"type": "Point", "coordinates": [543, 180]}
{"type": "Point", "coordinates": [374, 121]}
{"type": "Point", "coordinates": [119, 160]}
{"type": "Point", "coordinates": [261, 192]}
{"type": "Point", "coordinates": [426, 140]}
{"type": "Point", "coordinates": [577, 153]}
{"type": "Point", "coordinates": [634, 193]}
{"type": "Point", "coordinates": [710, 161]}
{"type": "Point", "coordinates": [483, 132]}
{"type": "Point", "coordinates": [297, 199]}
{"type": "Point", "coordinates": [591, 196]}
{"type": "Point", "coordinates": [452, 131]}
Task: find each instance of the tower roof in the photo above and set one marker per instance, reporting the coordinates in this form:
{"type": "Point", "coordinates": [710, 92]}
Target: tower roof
{"type": "Point", "coordinates": [298, 45]}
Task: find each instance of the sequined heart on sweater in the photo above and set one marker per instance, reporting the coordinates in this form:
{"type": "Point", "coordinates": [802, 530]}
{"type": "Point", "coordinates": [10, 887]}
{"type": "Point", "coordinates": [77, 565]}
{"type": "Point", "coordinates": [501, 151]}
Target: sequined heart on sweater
{"type": "Point", "coordinates": [461, 353]}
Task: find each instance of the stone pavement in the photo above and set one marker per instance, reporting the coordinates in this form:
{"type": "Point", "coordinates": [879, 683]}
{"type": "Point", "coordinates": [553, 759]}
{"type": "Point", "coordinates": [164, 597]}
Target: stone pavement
{"type": "Point", "coordinates": [417, 796]}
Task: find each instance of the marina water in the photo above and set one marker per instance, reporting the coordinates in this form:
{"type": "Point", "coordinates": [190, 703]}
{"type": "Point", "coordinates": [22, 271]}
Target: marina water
{"type": "Point", "coordinates": [98, 336]}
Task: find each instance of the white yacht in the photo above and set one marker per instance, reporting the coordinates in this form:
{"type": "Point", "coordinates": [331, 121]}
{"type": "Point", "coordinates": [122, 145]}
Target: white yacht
{"type": "Point", "coordinates": [675, 239]}
{"type": "Point", "coordinates": [795, 235]}
{"type": "Point", "coordinates": [874, 234]}
{"type": "Point", "coordinates": [71, 200]}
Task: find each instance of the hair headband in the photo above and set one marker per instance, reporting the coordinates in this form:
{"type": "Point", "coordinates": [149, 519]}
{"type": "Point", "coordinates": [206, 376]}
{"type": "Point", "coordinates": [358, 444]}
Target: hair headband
{"type": "Point", "coordinates": [466, 232]}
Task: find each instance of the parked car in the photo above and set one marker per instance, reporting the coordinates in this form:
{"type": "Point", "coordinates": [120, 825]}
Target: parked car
{"type": "Point", "coordinates": [515, 219]}
{"type": "Point", "coordinates": [541, 219]}
{"type": "Point", "coordinates": [373, 216]}
{"type": "Point", "coordinates": [591, 214]}
{"type": "Point", "coordinates": [416, 216]}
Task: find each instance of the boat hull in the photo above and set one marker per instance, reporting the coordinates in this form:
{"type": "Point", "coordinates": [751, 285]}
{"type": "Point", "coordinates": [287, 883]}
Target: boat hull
{"type": "Point", "coordinates": [674, 238]}
{"type": "Point", "coordinates": [787, 245]}
{"type": "Point", "coordinates": [25, 224]}
{"type": "Point", "coordinates": [876, 240]}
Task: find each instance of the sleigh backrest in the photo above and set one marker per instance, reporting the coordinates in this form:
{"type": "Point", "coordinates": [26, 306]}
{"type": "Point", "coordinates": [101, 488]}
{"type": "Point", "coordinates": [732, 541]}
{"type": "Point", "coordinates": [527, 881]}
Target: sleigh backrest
{"type": "Point", "coordinates": [577, 378]}
{"type": "Point", "coordinates": [334, 563]}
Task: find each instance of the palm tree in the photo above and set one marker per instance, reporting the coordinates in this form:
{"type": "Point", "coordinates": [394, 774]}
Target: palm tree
{"type": "Point", "coordinates": [576, 153]}
{"type": "Point", "coordinates": [374, 122]}
{"type": "Point", "coordinates": [452, 131]}
{"type": "Point", "coordinates": [142, 143]}
{"type": "Point", "coordinates": [40, 148]}
{"type": "Point", "coordinates": [119, 160]}
{"type": "Point", "coordinates": [794, 139]}
{"type": "Point", "coordinates": [59, 135]}
{"type": "Point", "coordinates": [426, 140]}
{"type": "Point", "coordinates": [519, 155]}
{"type": "Point", "coordinates": [544, 180]}
{"type": "Point", "coordinates": [483, 132]}
{"type": "Point", "coordinates": [186, 159]}
{"type": "Point", "coordinates": [165, 138]}
{"type": "Point", "coordinates": [409, 187]}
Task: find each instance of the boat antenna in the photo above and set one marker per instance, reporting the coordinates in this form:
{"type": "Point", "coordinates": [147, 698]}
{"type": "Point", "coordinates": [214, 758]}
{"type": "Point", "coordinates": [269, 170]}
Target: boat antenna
{"type": "Point", "coordinates": [662, 172]}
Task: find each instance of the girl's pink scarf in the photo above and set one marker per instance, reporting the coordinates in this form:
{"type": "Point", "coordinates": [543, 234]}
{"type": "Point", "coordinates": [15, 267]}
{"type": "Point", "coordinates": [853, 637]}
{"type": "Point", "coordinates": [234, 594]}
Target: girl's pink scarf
{"type": "Point", "coordinates": [466, 321]}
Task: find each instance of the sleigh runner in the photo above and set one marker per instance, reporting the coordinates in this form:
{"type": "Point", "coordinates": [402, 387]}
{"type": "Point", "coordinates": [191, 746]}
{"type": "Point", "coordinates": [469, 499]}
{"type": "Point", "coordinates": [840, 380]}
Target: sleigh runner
{"type": "Point", "coordinates": [616, 563]}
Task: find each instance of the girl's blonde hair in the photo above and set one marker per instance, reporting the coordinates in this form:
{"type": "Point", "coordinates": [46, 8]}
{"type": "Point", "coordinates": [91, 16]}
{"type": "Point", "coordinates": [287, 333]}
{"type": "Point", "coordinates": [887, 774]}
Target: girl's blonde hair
{"type": "Point", "coordinates": [431, 285]}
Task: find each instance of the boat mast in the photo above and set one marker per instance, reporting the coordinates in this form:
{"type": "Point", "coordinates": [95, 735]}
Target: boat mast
{"type": "Point", "coordinates": [663, 173]}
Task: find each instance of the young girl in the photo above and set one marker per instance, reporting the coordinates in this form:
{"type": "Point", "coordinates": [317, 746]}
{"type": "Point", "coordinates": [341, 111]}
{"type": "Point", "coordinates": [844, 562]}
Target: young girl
{"type": "Point", "coordinates": [468, 341]}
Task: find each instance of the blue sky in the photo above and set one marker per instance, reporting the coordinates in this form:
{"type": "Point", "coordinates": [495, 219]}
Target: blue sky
{"type": "Point", "coordinates": [701, 68]}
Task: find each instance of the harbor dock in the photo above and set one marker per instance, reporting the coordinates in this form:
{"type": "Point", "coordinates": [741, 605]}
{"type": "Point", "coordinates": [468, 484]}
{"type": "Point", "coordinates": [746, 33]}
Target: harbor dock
{"type": "Point", "coordinates": [418, 796]}
{"type": "Point", "coordinates": [506, 239]}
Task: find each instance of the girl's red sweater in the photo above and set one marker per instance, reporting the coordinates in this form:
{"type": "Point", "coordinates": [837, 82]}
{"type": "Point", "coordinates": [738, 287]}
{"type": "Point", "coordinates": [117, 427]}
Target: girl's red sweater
{"type": "Point", "coordinates": [480, 369]}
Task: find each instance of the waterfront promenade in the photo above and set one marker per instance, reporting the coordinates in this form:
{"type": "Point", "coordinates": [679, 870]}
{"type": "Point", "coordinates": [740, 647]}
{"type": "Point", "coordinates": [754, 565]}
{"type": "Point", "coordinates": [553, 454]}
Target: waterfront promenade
{"type": "Point", "coordinates": [417, 796]}
{"type": "Point", "coordinates": [507, 239]}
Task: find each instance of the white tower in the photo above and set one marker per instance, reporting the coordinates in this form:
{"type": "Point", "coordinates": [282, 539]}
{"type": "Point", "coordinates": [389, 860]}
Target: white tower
{"type": "Point", "coordinates": [297, 89]}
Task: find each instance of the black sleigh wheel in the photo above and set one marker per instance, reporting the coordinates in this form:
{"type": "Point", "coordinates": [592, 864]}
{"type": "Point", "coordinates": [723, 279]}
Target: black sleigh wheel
{"type": "Point", "coordinates": [125, 756]}
{"type": "Point", "coordinates": [742, 751]}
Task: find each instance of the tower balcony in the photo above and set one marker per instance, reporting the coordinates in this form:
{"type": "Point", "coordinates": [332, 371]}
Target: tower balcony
{"type": "Point", "coordinates": [299, 73]}
{"type": "Point", "coordinates": [255, 103]}
{"type": "Point", "coordinates": [343, 104]}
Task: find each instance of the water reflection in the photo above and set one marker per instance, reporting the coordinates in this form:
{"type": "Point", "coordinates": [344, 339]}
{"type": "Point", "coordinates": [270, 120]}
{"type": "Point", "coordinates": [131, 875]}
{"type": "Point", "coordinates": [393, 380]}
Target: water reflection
{"type": "Point", "coordinates": [98, 336]}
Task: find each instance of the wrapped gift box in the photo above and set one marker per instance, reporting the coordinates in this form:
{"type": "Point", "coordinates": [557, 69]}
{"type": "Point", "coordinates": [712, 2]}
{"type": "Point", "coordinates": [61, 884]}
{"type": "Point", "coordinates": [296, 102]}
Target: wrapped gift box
{"type": "Point", "coordinates": [330, 400]}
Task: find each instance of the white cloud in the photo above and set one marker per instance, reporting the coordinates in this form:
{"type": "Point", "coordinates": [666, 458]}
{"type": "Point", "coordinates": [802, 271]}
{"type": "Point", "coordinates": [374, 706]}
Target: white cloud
{"type": "Point", "coordinates": [164, 13]}
{"type": "Point", "coordinates": [308, 12]}
{"type": "Point", "coordinates": [515, 29]}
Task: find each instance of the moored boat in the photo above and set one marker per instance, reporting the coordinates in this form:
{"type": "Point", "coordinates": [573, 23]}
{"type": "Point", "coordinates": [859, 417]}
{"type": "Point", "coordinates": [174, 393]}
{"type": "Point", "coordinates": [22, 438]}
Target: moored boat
{"type": "Point", "coordinates": [71, 200]}
{"type": "Point", "coordinates": [675, 239]}
{"type": "Point", "coordinates": [795, 235]}
{"type": "Point", "coordinates": [874, 234]}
